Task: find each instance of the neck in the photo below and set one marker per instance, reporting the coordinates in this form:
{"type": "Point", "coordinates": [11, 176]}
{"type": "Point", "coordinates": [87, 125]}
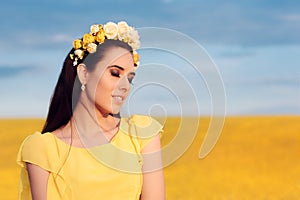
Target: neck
{"type": "Point", "coordinates": [91, 120]}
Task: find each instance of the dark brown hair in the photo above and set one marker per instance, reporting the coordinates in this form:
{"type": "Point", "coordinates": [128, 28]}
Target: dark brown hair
{"type": "Point", "coordinates": [67, 90]}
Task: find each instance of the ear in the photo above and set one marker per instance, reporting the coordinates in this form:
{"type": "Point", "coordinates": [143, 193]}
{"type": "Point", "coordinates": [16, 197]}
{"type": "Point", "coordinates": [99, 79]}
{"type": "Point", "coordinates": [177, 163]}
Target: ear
{"type": "Point", "coordinates": [82, 73]}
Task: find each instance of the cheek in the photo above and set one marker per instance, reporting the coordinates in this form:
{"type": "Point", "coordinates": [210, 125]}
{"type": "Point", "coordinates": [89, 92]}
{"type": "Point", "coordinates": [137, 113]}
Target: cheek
{"type": "Point", "coordinates": [105, 87]}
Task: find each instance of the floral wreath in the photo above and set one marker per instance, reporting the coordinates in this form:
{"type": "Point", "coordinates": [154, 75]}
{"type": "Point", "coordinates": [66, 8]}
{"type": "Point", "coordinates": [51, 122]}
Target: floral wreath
{"type": "Point", "coordinates": [99, 33]}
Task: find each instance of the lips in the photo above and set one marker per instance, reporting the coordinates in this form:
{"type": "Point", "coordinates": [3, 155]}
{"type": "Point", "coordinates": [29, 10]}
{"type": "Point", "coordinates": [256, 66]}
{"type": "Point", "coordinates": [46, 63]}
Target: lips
{"type": "Point", "coordinates": [118, 98]}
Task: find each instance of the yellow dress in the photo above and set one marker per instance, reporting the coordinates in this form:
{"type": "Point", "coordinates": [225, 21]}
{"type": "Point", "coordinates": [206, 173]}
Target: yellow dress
{"type": "Point", "coordinates": [110, 171]}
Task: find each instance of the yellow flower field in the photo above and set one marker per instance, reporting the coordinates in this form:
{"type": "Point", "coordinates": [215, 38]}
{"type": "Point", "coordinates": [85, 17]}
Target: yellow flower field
{"type": "Point", "coordinates": [255, 158]}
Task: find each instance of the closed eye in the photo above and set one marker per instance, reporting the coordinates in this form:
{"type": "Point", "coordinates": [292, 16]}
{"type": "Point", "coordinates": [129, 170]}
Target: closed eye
{"type": "Point", "coordinates": [131, 77]}
{"type": "Point", "coordinates": [115, 73]}
{"type": "Point", "coordinates": [130, 80]}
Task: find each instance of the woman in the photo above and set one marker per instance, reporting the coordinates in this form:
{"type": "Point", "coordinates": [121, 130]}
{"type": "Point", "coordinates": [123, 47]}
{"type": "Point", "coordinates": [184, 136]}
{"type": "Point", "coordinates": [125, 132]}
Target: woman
{"type": "Point", "coordinates": [86, 150]}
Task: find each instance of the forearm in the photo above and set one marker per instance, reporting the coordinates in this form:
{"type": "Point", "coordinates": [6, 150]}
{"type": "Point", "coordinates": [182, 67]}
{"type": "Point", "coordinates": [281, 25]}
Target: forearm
{"type": "Point", "coordinates": [153, 176]}
{"type": "Point", "coordinates": [153, 186]}
{"type": "Point", "coordinates": [38, 178]}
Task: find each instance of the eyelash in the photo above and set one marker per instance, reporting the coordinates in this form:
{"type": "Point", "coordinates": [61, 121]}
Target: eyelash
{"type": "Point", "coordinates": [130, 80]}
{"type": "Point", "coordinates": [115, 73]}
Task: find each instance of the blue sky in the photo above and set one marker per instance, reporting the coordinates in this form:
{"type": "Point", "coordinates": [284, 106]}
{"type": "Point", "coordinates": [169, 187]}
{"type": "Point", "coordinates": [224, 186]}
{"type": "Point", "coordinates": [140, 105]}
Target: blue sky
{"type": "Point", "coordinates": [255, 45]}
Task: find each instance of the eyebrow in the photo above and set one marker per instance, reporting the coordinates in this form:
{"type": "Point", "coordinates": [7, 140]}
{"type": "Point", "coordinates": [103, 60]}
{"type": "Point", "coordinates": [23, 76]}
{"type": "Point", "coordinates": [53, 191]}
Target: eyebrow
{"type": "Point", "coordinates": [117, 66]}
{"type": "Point", "coordinates": [132, 73]}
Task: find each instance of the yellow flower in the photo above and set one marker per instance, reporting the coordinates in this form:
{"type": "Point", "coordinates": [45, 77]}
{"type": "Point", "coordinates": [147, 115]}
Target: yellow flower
{"type": "Point", "coordinates": [91, 47]}
{"type": "Point", "coordinates": [88, 38]}
{"type": "Point", "coordinates": [136, 57]}
{"type": "Point", "coordinates": [100, 37]}
{"type": "Point", "coordinates": [111, 30]}
{"type": "Point", "coordinates": [77, 44]}
{"type": "Point", "coordinates": [97, 35]}
{"type": "Point", "coordinates": [84, 46]}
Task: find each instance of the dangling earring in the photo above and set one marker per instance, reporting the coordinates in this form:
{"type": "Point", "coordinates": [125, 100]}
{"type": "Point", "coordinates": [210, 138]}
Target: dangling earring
{"type": "Point", "coordinates": [82, 87]}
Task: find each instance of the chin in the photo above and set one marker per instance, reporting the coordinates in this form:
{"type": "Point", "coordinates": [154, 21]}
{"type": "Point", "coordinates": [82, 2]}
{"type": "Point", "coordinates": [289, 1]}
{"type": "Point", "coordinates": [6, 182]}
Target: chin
{"type": "Point", "coordinates": [115, 111]}
{"type": "Point", "coordinates": [109, 110]}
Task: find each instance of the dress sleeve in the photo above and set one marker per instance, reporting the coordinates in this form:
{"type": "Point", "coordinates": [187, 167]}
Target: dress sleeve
{"type": "Point", "coordinates": [147, 128]}
{"type": "Point", "coordinates": [41, 150]}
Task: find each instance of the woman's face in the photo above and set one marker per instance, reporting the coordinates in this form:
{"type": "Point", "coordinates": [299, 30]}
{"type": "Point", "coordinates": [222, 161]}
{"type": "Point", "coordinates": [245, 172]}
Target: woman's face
{"type": "Point", "coordinates": [109, 83]}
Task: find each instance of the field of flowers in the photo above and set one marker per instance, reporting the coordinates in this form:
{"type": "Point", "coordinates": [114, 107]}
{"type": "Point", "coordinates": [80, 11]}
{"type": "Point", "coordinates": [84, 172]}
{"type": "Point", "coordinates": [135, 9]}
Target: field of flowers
{"type": "Point", "coordinates": [255, 158]}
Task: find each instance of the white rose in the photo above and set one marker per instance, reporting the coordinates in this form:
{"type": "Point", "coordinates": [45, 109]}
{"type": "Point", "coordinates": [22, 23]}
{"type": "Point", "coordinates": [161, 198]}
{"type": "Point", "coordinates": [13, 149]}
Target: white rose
{"type": "Point", "coordinates": [134, 44]}
{"type": "Point", "coordinates": [75, 63]}
{"type": "Point", "coordinates": [79, 53]}
{"type": "Point", "coordinates": [123, 27]}
{"type": "Point", "coordinates": [133, 35]}
{"type": "Point", "coordinates": [94, 29]}
{"type": "Point", "coordinates": [91, 48]}
{"type": "Point", "coordinates": [123, 37]}
{"type": "Point", "coordinates": [110, 30]}
{"type": "Point", "coordinates": [133, 39]}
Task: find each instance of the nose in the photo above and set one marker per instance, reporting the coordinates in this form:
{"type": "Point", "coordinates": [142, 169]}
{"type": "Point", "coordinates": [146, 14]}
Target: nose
{"type": "Point", "coordinates": [124, 84]}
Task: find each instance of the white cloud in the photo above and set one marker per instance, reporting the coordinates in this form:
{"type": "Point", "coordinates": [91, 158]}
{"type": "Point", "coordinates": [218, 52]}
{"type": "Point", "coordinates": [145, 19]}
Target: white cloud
{"type": "Point", "coordinates": [291, 17]}
{"type": "Point", "coordinates": [61, 38]}
{"type": "Point", "coordinates": [37, 39]}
